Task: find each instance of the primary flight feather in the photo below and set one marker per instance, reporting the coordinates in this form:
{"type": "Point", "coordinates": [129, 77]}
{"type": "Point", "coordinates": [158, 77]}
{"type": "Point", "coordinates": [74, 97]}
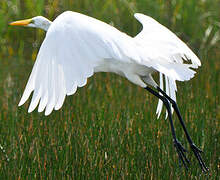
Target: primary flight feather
{"type": "Point", "coordinates": [76, 46]}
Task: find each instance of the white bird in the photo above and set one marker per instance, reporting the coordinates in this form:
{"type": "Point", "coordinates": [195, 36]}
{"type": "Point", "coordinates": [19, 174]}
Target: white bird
{"type": "Point", "coordinates": [76, 46]}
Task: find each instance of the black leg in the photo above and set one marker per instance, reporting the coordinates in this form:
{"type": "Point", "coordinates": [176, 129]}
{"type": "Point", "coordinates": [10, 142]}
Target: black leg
{"type": "Point", "coordinates": [180, 149]}
{"type": "Point", "coordinates": [195, 149]}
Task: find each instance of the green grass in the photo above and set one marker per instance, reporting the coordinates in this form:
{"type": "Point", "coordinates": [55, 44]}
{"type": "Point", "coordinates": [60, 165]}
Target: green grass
{"type": "Point", "coordinates": [108, 129]}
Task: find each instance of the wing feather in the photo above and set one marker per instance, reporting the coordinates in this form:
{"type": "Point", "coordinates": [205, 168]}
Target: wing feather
{"type": "Point", "coordinates": [169, 46]}
{"type": "Point", "coordinates": [165, 52]}
{"type": "Point", "coordinates": [160, 102]}
{"type": "Point", "coordinates": [159, 45]}
{"type": "Point", "coordinates": [74, 45]}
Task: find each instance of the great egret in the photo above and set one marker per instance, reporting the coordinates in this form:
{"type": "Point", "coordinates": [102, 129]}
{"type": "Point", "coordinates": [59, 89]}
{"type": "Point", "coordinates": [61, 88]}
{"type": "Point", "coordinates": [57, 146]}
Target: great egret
{"type": "Point", "coordinates": [76, 46]}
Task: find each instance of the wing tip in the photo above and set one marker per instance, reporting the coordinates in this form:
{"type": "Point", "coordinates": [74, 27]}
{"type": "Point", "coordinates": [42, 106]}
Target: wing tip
{"type": "Point", "coordinates": [30, 110]}
{"type": "Point", "coordinates": [21, 102]}
{"type": "Point", "coordinates": [48, 111]}
{"type": "Point", "coordinates": [136, 15]}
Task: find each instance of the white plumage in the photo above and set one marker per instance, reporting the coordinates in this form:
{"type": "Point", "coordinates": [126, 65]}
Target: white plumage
{"type": "Point", "coordinates": [76, 46]}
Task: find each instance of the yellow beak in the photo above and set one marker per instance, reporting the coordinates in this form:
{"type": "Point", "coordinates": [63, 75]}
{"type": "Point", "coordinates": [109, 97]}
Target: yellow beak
{"type": "Point", "coordinates": [21, 22]}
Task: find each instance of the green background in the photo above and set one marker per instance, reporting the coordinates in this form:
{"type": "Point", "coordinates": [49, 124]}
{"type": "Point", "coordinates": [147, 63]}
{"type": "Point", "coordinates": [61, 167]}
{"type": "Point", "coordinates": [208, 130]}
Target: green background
{"type": "Point", "coordinates": [108, 129]}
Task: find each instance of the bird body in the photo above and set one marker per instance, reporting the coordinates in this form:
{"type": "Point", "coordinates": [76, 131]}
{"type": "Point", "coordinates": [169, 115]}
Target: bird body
{"type": "Point", "coordinates": [77, 46]}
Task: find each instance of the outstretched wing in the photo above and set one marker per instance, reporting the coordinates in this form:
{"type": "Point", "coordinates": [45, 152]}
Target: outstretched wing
{"type": "Point", "coordinates": [168, 53]}
{"type": "Point", "coordinates": [163, 43]}
{"type": "Point", "coordinates": [74, 45]}
{"type": "Point", "coordinates": [164, 51]}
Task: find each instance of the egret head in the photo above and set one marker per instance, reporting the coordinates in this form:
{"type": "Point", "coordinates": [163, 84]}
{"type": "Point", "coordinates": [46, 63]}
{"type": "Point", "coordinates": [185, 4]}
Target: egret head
{"type": "Point", "coordinates": [36, 22]}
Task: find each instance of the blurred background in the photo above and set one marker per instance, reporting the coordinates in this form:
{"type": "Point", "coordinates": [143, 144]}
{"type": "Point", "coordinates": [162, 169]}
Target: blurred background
{"type": "Point", "coordinates": [108, 129]}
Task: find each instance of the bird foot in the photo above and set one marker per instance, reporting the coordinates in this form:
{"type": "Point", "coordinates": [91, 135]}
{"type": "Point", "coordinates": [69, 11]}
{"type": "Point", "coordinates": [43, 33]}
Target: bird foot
{"type": "Point", "coordinates": [181, 150]}
{"type": "Point", "coordinates": [197, 153]}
